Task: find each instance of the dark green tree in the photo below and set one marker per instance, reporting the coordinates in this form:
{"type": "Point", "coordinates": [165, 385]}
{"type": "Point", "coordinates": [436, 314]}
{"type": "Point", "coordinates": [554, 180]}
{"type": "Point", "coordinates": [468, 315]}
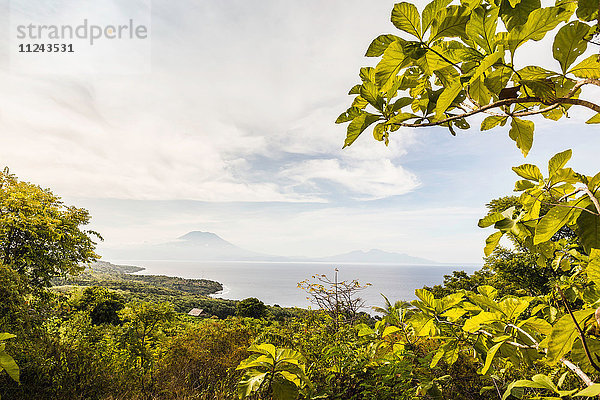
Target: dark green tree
{"type": "Point", "coordinates": [251, 307]}
{"type": "Point", "coordinates": [103, 305]}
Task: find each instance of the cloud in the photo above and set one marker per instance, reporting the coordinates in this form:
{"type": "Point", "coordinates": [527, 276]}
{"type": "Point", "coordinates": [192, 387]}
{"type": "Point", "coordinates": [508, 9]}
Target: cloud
{"type": "Point", "coordinates": [235, 109]}
{"type": "Point", "coordinates": [366, 179]}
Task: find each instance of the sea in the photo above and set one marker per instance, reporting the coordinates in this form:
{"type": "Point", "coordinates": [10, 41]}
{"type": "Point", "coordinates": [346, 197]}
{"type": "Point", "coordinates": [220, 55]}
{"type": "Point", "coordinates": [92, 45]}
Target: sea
{"type": "Point", "coordinates": [276, 283]}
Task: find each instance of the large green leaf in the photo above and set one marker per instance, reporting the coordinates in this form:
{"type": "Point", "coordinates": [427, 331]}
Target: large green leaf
{"type": "Point", "coordinates": [512, 307]}
{"type": "Point", "coordinates": [369, 92]}
{"type": "Point", "coordinates": [563, 335]}
{"type": "Point", "coordinates": [251, 382]}
{"type": "Point", "coordinates": [554, 219]}
{"type": "Point", "coordinates": [539, 22]}
{"type": "Point", "coordinates": [480, 93]}
{"type": "Point", "coordinates": [447, 97]}
{"type": "Point", "coordinates": [517, 15]}
{"type": "Point", "coordinates": [578, 353]}
{"type": "Point", "coordinates": [537, 325]}
{"type": "Point", "coordinates": [401, 117]}
{"type": "Point", "coordinates": [489, 357]}
{"type": "Point", "coordinates": [348, 115]}
{"type": "Point", "coordinates": [426, 297]}
{"type": "Point", "coordinates": [283, 389]}
{"type": "Point", "coordinates": [492, 121]}
{"type": "Point", "coordinates": [490, 219]}
{"type": "Point", "coordinates": [423, 325]}
{"type": "Point", "coordinates": [474, 323]}
{"type": "Point", "coordinates": [558, 161]}
{"type": "Point", "coordinates": [380, 44]}
{"type": "Point", "coordinates": [497, 80]}
{"type": "Point", "coordinates": [391, 63]}
{"type": "Point", "coordinates": [451, 23]}
{"type": "Point", "coordinates": [431, 12]}
{"type": "Point", "coordinates": [358, 126]}
{"type": "Point", "coordinates": [521, 131]}
{"type": "Point", "coordinates": [405, 17]}
{"type": "Point", "coordinates": [587, 10]}
{"type": "Point", "coordinates": [588, 68]}
{"type": "Point", "coordinates": [588, 228]}
{"type": "Point", "coordinates": [9, 365]}
{"type": "Point", "coordinates": [486, 64]}
{"type": "Point", "coordinates": [590, 391]}
{"type": "Point", "coordinates": [491, 243]}
{"type": "Point", "coordinates": [367, 74]}
{"type": "Point", "coordinates": [569, 44]}
{"type": "Point", "coordinates": [533, 72]}
{"type": "Point", "coordinates": [448, 352]}
{"type": "Point", "coordinates": [481, 27]}
{"type": "Point", "coordinates": [264, 348]}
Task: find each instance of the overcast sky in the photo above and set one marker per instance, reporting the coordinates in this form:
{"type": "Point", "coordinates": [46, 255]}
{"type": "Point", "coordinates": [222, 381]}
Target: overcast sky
{"type": "Point", "coordinates": [229, 128]}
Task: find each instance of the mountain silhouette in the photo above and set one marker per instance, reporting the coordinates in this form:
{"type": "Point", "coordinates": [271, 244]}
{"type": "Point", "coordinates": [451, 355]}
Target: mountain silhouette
{"type": "Point", "coordinates": [208, 246]}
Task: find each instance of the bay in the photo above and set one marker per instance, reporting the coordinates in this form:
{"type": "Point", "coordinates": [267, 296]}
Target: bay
{"type": "Point", "coordinates": [277, 282]}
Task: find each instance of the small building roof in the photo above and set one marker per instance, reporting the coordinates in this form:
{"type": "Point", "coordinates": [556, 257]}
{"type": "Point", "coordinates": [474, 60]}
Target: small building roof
{"type": "Point", "coordinates": [195, 312]}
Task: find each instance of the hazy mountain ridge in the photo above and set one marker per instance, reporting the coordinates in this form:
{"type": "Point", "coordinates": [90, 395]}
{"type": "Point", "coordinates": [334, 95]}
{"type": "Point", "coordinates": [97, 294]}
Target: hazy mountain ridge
{"type": "Point", "coordinates": [208, 246]}
{"type": "Point", "coordinates": [376, 256]}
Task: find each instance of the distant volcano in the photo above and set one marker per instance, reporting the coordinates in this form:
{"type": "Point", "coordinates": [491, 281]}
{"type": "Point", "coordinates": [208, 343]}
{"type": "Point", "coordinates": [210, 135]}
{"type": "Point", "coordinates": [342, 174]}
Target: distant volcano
{"type": "Point", "coordinates": [208, 246]}
{"type": "Point", "coordinates": [193, 246]}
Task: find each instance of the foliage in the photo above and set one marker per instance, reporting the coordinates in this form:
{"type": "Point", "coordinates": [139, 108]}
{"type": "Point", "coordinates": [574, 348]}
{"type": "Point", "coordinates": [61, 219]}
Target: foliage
{"type": "Point", "coordinates": [112, 277]}
{"type": "Point", "coordinates": [251, 307]}
{"type": "Point", "coordinates": [102, 304]}
{"type": "Point", "coordinates": [40, 237]}
{"type": "Point", "coordinates": [200, 361]}
{"type": "Point", "coordinates": [280, 373]}
{"type": "Point", "coordinates": [454, 61]}
{"type": "Point", "coordinates": [142, 329]}
{"type": "Point", "coordinates": [547, 321]}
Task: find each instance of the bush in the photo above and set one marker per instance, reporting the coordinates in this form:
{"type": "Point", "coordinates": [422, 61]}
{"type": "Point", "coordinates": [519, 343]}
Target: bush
{"type": "Point", "coordinates": [201, 361]}
{"type": "Point", "coordinates": [251, 307]}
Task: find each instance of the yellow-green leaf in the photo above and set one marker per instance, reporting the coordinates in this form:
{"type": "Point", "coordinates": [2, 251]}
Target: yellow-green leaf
{"type": "Point", "coordinates": [569, 43]}
{"type": "Point", "coordinates": [447, 97]}
{"type": "Point", "coordinates": [358, 125]}
{"type": "Point", "coordinates": [391, 63]}
{"type": "Point", "coordinates": [550, 223]}
{"type": "Point", "coordinates": [492, 121]}
{"type": "Point", "coordinates": [405, 17]}
{"type": "Point", "coordinates": [563, 335]}
{"type": "Point", "coordinates": [588, 68]}
{"type": "Point", "coordinates": [558, 161]}
{"type": "Point", "coordinates": [489, 357]}
{"type": "Point", "coordinates": [492, 242]}
{"type": "Point", "coordinates": [521, 131]}
{"type": "Point", "coordinates": [529, 171]}
{"type": "Point", "coordinates": [482, 27]}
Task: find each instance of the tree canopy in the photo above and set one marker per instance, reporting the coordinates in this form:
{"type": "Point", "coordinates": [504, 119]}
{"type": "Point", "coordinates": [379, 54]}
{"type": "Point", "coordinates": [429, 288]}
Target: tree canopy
{"type": "Point", "coordinates": [454, 61]}
{"type": "Point", "coordinates": [40, 237]}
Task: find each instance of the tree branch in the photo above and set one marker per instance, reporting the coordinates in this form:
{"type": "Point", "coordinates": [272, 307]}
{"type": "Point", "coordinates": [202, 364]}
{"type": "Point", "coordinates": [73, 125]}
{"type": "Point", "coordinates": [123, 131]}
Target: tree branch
{"type": "Point", "coordinates": [553, 103]}
{"type": "Point", "coordinates": [582, 375]}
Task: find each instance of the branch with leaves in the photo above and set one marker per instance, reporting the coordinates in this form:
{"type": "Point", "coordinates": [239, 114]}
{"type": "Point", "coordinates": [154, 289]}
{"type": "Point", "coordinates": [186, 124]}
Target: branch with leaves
{"type": "Point", "coordinates": [453, 62]}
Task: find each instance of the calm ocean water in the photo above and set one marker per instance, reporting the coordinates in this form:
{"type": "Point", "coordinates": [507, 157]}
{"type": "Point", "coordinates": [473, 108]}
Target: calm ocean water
{"type": "Point", "coordinates": [276, 282]}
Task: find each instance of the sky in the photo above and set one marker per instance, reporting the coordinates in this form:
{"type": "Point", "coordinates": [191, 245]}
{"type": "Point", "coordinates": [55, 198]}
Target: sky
{"type": "Point", "coordinates": [222, 120]}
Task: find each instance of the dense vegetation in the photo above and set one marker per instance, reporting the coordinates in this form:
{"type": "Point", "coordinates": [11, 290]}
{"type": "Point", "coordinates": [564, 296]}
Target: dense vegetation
{"type": "Point", "coordinates": [526, 326]}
